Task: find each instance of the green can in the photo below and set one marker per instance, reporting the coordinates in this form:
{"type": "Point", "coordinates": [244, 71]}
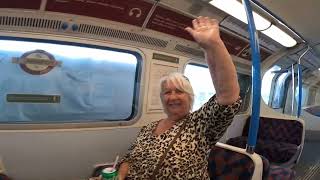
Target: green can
{"type": "Point", "coordinates": [109, 174]}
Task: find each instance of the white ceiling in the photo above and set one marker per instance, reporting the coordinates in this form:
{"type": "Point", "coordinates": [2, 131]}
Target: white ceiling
{"type": "Point", "coordinates": [301, 15]}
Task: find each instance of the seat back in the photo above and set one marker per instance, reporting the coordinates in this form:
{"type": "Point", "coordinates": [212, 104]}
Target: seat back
{"type": "Point", "coordinates": [279, 130]}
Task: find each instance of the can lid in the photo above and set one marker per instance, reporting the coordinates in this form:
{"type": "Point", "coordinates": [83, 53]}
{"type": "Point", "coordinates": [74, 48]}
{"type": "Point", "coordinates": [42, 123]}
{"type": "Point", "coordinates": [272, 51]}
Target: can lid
{"type": "Point", "coordinates": [109, 172]}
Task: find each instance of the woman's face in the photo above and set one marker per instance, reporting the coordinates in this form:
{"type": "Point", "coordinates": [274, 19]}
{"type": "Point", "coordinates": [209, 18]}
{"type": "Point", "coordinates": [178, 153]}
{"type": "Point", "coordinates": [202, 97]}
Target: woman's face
{"type": "Point", "coordinates": [175, 102]}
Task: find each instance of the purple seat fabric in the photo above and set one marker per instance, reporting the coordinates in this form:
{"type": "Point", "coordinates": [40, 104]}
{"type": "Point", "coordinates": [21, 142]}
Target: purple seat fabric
{"type": "Point", "coordinates": [278, 139]}
{"type": "Point", "coordinates": [276, 152]}
{"type": "Point", "coordinates": [266, 168]}
{"type": "Point", "coordinates": [272, 172]}
{"type": "Point", "coordinates": [280, 130]}
{"type": "Point", "coordinates": [4, 177]}
{"type": "Point", "coordinates": [281, 173]}
{"type": "Point", "coordinates": [229, 165]}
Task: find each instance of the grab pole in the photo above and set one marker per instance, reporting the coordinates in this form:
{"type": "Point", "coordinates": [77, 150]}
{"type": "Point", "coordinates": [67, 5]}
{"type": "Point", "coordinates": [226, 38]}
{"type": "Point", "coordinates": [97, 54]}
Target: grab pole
{"type": "Point", "coordinates": [256, 79]}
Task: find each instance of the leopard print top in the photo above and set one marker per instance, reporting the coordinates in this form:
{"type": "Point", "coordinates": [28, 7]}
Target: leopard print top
{"type": "Point", "coordinates": [187, 158]}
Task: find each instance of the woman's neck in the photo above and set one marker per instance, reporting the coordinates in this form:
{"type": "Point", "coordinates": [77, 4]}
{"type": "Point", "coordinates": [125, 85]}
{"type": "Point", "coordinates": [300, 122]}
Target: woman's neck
{"type": "Point", "coordinates": [165, 124]}
{"type": "Point", "coordinates": [174, 119]}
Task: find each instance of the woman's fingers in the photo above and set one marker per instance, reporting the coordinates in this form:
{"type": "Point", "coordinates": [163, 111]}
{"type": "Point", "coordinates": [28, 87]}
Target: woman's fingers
{"type": "Point", "coordinates": [201, 21]}
{"type": "Point", "coordinates": [195, 24]}
{"type": "Point", "coordinates": [190, 30]}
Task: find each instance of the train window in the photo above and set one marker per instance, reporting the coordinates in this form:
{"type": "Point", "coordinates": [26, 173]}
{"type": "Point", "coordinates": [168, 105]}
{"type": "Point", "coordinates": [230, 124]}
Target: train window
{"type": "Point", "coordinates": [279, 90]}
{"type": "Point", "coordinates": [203, 91]}
{"type": "Point", "coordinates": [50, 82]}
{"type": "Point", "coordinates": [267, 82]}
{"type": "Point", "coordinates": [245, 90]}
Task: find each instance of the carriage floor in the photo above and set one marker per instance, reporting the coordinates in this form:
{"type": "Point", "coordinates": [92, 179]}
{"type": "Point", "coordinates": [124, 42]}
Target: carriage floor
{"type": "Point", "coordinates": [308, 167]}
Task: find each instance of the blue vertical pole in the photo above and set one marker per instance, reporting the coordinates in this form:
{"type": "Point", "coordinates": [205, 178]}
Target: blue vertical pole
{"type": "Point", "coordinates": [299, 90]}
{"type": "Point", "coordinates": [256, 79]}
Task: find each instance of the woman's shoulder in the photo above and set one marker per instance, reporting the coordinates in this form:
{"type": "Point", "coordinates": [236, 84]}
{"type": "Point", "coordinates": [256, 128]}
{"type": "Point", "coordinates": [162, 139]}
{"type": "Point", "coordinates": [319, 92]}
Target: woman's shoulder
{"type": "Point", "coordinates": [150, 126]}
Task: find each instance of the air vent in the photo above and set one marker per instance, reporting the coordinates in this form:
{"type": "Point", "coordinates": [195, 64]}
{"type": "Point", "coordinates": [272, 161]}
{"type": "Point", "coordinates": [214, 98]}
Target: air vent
{"type": "Point", "coordinates": [189, 50]}
{"type": "Point", "coordinates": [115, 33]}
{"type": "Point", "coordinates": [29, 22]}
{"type": "Point", "coordinates": [241, 29]}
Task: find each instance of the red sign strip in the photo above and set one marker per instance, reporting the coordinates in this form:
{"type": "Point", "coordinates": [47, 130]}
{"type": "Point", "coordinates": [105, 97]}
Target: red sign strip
{"type": "Point", "coordinates": [132, 12]}
{"type": "Point", "coordinates": [170, 22]}
{"type": "Point", "coordinates": [22, 4]}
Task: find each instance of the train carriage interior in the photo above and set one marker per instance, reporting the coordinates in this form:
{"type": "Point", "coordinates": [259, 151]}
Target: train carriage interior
{"type": "Point", "coordinates": [79, 78]}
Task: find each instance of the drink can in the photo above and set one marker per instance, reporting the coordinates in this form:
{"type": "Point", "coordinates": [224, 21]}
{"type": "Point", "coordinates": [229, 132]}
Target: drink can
{"type": "Point", "coordinates": [109, 174]}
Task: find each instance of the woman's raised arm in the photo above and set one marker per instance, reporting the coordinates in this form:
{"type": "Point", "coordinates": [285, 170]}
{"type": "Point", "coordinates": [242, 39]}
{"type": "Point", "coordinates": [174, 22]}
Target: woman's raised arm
{"type": "Point", "coordinates": [206, 33]}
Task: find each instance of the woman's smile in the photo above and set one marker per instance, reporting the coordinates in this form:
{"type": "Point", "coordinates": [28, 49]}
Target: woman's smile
{"type": "Point", "coordinates": [176, 102]}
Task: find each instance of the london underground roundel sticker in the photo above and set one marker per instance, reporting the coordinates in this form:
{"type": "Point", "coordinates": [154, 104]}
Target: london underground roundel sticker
{"type": "Point", "coordinates": [36, 62]}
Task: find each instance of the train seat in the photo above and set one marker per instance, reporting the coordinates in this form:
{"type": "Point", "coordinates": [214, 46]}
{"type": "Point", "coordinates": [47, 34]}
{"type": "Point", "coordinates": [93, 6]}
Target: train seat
{"type": "Point", "coordinates": [4, 177]}
{"type": "Point", "coordinates": [273, 172]}
{"type": "Point", "coordinates": [279, 140]}
{"type": "Point", "coordinates": [229, 162]}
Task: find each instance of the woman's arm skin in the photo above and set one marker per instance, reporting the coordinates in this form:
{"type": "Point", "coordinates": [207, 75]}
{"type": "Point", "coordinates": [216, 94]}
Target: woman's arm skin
{"type": "Point", "coordinates": [205, 31]}
{"type": "Point", "coordinates": [123, 171]}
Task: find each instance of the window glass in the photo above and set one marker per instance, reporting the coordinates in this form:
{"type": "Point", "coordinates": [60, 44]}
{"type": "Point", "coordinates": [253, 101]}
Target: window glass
{"type": "Point", "coordinates": [50, 82]}
{"type": "Point", "coordinates": [245, 90]}
{"type": "Point", "coordinates": [204, 91]}
{"type": "Point", "coordinates": [278, 96]}
{"type": "Point", "coordinates": [267, 82]}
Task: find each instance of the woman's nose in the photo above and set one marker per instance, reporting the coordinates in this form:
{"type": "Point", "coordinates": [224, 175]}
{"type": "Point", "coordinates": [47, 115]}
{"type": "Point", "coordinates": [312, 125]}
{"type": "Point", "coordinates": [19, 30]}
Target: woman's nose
{"type": "Point", "coordinates": [173, 95]}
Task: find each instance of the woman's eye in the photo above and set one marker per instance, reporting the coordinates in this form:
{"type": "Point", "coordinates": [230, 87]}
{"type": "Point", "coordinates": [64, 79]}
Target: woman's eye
{"type": "Point", "coordinates": [167, 92]}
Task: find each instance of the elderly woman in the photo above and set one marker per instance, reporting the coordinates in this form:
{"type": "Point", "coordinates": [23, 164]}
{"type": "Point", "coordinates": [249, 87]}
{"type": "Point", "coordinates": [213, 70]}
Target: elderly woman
{"type": "Point", "coordinates": [176, 147]}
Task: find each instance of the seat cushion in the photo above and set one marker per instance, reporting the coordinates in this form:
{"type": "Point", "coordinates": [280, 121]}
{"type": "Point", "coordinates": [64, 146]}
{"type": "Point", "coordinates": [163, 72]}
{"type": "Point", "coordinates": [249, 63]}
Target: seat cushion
{"type": "Point", "coordinates": [275, 152]}
{"type": "Point", "coordinates": [272, 172]}
{"type": "Point", "coordinates": [280, 173]}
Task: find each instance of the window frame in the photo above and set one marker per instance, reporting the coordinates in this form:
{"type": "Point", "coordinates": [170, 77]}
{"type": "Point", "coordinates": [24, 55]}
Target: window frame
{"type": "Point", "coordinates": [136, 109]}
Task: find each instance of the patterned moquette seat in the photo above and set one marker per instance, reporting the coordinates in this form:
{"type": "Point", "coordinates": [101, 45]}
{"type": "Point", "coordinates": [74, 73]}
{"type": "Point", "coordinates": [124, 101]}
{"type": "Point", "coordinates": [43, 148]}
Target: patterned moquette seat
{"type": "Point", "coordinates": [272, 172]}
{"type": "Point", "coordinates": [229, 165]}
{"type": "Point", "coordinates": [4, 177]}
{"type": "Point", "coordinates": [225, 164]}
{"type": "Point", "coordinates": [278, 140]}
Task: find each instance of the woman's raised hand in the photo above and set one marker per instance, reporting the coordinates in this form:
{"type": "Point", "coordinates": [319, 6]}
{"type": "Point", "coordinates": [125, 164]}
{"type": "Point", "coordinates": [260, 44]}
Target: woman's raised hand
{"type": "Point", "coordinates": [205, 31]}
